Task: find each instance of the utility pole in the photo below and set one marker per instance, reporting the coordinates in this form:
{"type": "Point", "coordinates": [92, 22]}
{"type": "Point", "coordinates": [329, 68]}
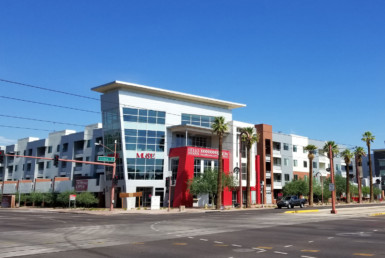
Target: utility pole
{"type": "Point", "coordinates": [332, 177]}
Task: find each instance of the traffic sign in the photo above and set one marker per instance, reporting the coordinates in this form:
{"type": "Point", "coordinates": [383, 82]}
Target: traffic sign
{"type": "Point", "coordinates": [106, 159]}
{"type": "Point", "coordinates": [331, 187]}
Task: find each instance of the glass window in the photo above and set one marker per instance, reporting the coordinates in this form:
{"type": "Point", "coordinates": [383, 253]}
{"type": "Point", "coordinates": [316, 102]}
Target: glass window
{"type": "Point", "coordinates": [131, 139]}
{"type": "Point", "coordinates": [286, 161]}
{"type": "Point", "coordinates": [206, 165]}
{"type": "Point", "coordinates": [295, 163]}
{"type": "Point", "coordinates": [287, 177]}
{"type": "Point", "coordinates": [130, 111]}
{"type": "Point", "coordinates": [295, 177]}
{"type": "Point", "coordinates": [305, 164]}
{"type": "Point", "coordinates": [294, 148]}
{"type": "Point", "coordinates": [49, 149]}
{"type": "Point", "coordinates": [277, 161]}
{"type": "Point", "coordinates": [197, 167]}
{"type": "Point", "coordinates": [286, 146]}
{"type": "Point", "coordinates": [130, 132]}
{"type": "Point", "coordinates": [130, 118]}
{"type": "Point", "coordinates": [315, 164]}
{"type": "Point", "coordinates": [48, 164]}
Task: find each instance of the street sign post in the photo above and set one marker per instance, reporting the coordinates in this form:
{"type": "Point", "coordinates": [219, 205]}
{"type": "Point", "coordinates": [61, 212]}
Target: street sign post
{"type": "Point", "coordinates": [106, 159]}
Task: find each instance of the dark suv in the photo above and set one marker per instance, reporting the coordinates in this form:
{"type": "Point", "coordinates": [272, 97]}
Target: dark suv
{"type": "Point", "coordinates": [291, 201]}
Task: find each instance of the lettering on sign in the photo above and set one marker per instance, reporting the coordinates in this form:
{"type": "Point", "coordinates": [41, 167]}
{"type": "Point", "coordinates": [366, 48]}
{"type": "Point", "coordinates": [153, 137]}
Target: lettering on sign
{"type": "Point", "coordinates": [208, 153]}
{"type": "Point", "coordinates": [145, 155]}
{"type": "Point", "coordinates": [81, 185]}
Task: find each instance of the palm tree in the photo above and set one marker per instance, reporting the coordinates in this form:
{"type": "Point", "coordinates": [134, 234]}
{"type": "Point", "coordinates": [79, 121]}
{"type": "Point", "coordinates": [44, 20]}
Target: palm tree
{"type": "Point", "coordinates": [249, 137]}
{"type": "Point", "coordinates": [367, 137]}
{"type": "Point", "coordinates": [220, 128]}
{"type": "Point", "coordinates": [359, 152]}
{"type": "Point", "coordinates": [348, 156]}
{"type": "Point", "coordinates": [334, 151]}
{"type": "Point", "coordinates": [311, 149]}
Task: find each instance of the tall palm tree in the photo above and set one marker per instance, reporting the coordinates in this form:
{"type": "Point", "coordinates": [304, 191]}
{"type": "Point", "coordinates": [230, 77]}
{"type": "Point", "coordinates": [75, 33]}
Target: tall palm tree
{"type": "Point", "coordinates": [334, 148]}
{"type": "Point", "coordinates": [348, 156]}
{"type": "Point", "coordinates": [249, 137]}
{"type": "Point", "coordinates": [359, 152]}
{"type": "Point", "coordinates": [367, 137]}
{"type": "Point", "coordinates": [219, 127]}
{"type": "Point", "coordinates": [311, 149]}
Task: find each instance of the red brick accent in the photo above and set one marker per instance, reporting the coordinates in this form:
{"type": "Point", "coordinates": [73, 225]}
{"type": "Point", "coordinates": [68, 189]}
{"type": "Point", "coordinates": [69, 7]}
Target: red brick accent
{"type": "Point", "coordinates": [43, 180]}
{"type": "Point", "coordinates": [61, 179]}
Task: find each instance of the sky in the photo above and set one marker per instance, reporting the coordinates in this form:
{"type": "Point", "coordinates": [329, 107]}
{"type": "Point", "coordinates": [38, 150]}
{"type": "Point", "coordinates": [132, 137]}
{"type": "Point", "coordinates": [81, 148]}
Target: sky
{"type": "Point", "coordinates": [311, 68]}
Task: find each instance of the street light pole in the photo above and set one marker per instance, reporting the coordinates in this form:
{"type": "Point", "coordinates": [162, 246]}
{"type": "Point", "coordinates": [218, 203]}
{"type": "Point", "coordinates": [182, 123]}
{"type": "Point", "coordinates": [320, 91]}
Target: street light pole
{"type": "Point", "coordinates": [112, 197]}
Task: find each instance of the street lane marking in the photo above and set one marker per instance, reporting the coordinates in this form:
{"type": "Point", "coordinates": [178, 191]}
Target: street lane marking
{"type": "Point", "coordinates": [179, 243]}
{"type": "Point", "coordinates": [377, 214]}
{"type": "Point", "coordinates": [191, 237]}
{"type": "Point", "coordinates": [304, 256]}
{"type": "Point", "coordinates": [330, 237]}
{"type": "Point", "coordinates": [202, 239]}
{"type": "Point", "coordinates": [138, 243]}
{"type": "Point", "coordinates": [288, 245]}
{"type": "Point", "coordinates": [265, 247]}
{"type": "Point", "coordinates": [279, 252]}
{"type": "Point", "coordinates": [310, 251]}
{"type": "Point", "coordinates": [361, 254]}
{"type": "Point", "coordinates": [311, 241]}
{"type": "Point", "coordinates": [236, 245]}
{"type": "Point", "coordinates": [303, 211]}
{"type": "Point", "coordinates": [221, 245]}
{"type": "Point", "coordinates": [217, 242]}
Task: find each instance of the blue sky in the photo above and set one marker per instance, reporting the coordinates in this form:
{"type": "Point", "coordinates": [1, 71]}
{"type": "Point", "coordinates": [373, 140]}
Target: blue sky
{"type": "Point", "coordinates": [312, 68]}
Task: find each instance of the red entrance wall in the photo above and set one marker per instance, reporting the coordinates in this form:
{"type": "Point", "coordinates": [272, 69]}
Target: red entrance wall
{"type": "Point", "coordinates": [186, 171]}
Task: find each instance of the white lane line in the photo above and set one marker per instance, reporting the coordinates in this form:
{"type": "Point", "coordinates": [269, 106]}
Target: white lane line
{"type": "Point", "coordinates": [288, 245]}
{"type": "Point", "coordinates": [279, 252]}
{"type": "Point", "coordinates": [330, 237]}
{"type": "Point", "coordinates": [311, 241]}
{"type": "Point", "coordinates": [217, 242]}
{"type": "Point", "coordinates": [375, 230]}
{"type": "Point", "coordinates": [236, 245]}
{"type": "Point", "coordinates": [191, 237]}
{"type": "Point", "coordinates": [304, 256]}
{"type": "Point", "coordinates": [178, 235]}
{"type": "Point", "coordinates": [202, 239]}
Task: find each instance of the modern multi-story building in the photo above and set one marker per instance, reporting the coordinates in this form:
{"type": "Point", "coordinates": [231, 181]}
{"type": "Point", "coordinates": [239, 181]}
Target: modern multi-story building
{"type": "Point", "coordinates": [161, 134]}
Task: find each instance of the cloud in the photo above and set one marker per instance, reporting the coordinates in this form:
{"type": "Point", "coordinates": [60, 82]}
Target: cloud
{"type": "Point", "coordinates": [5, 141]}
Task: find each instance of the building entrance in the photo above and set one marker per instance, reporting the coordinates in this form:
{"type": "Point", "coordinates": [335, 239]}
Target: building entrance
{"type": "Point", "coordinates": [146, 197]}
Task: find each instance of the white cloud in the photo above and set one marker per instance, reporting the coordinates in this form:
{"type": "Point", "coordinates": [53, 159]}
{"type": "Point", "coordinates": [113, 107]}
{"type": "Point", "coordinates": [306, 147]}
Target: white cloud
{"type": "Point", "coordinates": [4, 141]}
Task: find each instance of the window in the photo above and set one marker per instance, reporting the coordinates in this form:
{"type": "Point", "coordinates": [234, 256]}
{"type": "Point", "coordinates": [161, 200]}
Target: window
{"type": "Point", "coordinates": [294, 148]}
{"type": "Point", "coordinates": [277, 161]}
{"type": "Point", "coordinates": [286, 161]}
{"type": "Point", "coordinates": [63, 164]}
{"type": "Point", "coordinates": [29, 167]}
{"type": "Point", "coordinates": [145, 169]}
{"type": "Point", "coordinates": [305, 164]}
{"type": "Point", "coordinates": [305, 177]}
{"type": "Point", "coordinates": [244, 171]}
{"type": "Point", "coordinates": [144, 116]}
{"type": "Point", "coordinates": [58, 148]}
{"type": "Point", "coordinates": [174, 168]}
{"type": "Point", "coordinates": [315, 164]}
{"type": "Point", "coordinates": [207, 165]}
{"type": "Point", "coordinates": [30, 152]}
{"type": "Point", "coordinates": [88, 143]}
{"type": "Point", "coordinates": [286, 146]}
{"type": "Point", "coordinates": [295, 163]}
{"type": "Point", "coordinates": [144, 140]}
{"type": "Point", "coordinates": [287, 177]}
{"type": "Point", "coordinates": [197, 167]}
{"type": "Point", "coordinates": [65, 147]}
{"type": "Point", "coordinates": [48, 164]}
{"type": "Point", "coordinates": [295, 177]}
{"type": "Point", "coordinates": [337, 167]}
{"type": "Point", "coordinates": [16, 167]}
{"type": "Point", "coordinates": [49, 149]}
{"type": "Point", "coordinates": [276, 146]}
{"type": "Point", "coordinates": [199, 120]}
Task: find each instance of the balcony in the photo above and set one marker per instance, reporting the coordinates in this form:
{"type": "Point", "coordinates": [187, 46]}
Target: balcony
{"type": "Point", "coordinates": [79, 152]}
{"type": "Point", "coordinates": [276, 152]}
{"type": "Point", "coordinates": [277, 169]}
{"type": "Point", "coordinates": [277, 184]}
{"type": "Point", "coordinates": [268, 174]}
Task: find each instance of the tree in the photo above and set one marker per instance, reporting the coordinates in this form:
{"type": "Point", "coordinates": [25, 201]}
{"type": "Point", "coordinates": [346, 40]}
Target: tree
{"type": "Point", "coordinates": [249, 137]}
{"type": "Point", "coordinates": [35, 197]}
{"type": "Point", "coordinates": [63, 198]}
{"type": "Point", "coordinates": [86, 199]}
{"type": "Point", "coordinates": [368, 138]}
{"type": "Point", "coordinates": [220, 128]}
{"type": "Point", "coordinates": [359, 152]}
{"type": "Point", "coordinates": [311, 149]}
{"type": "Point", "coordinates": [207, 183]}
{"type": "Point", "coordinates": [340, 187]}
{"type": "Point", "coordinates": [347, 155]}
{"type": "Point", "coordinates": [296, 187]}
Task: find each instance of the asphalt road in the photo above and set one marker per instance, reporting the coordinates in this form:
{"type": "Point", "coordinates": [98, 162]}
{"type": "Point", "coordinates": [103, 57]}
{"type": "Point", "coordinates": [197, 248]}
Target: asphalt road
{"type": "Point", "coordinates": [353, 232]}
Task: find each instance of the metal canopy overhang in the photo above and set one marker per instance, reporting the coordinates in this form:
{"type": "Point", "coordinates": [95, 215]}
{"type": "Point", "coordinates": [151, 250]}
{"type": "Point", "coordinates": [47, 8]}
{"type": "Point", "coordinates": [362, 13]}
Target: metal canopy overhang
{"type": "Point", "coordinates": [192, 129]}
{"type": "Point", "coordinates": [126, 86]}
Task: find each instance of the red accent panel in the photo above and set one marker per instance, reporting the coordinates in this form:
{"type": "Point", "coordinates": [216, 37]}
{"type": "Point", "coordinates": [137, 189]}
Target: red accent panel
{"type": "Point", "coordinates": [258, 177]}
{"type": "Point", "coordinates": [186, 171]}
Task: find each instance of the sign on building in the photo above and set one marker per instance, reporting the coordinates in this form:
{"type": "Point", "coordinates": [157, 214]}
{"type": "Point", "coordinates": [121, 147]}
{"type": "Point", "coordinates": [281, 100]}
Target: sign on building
{"type": "Point", "coordinates": [81, 185]}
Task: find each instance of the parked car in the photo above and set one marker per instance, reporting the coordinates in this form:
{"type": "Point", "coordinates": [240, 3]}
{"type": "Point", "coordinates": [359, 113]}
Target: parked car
{"type": "Point", "coordinates": [291, 201]}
